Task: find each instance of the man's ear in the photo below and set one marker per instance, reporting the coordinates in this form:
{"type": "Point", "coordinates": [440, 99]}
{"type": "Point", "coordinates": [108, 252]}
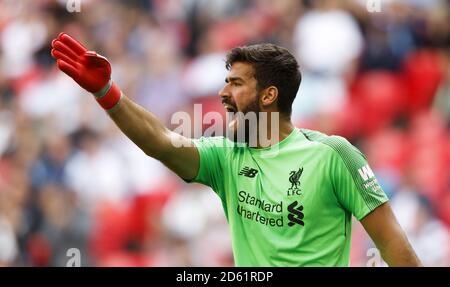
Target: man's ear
{"type": "Point", "coordinates": [269, 96]}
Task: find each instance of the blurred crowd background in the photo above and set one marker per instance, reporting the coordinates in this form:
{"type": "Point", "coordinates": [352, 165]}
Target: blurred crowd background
{"type": "Point", "coordinates": [70, 179]}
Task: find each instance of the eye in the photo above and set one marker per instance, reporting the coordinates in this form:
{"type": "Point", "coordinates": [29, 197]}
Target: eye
{"type": "Point", "coordinates": [237, 84]}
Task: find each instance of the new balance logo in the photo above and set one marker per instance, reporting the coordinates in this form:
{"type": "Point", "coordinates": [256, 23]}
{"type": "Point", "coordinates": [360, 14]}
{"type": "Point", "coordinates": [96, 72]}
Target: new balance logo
{"type": "Point", "coordinates": [366, 172]}
{"type": "Point", "coordinates": [248, 172]}
{"type": "Point", "coordinates": [295, 215]}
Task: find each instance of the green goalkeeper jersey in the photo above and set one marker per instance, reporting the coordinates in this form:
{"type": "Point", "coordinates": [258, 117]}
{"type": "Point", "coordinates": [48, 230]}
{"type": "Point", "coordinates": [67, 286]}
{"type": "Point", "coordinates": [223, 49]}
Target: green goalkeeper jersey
{"type": "Point", "coordinates": [291, 204]}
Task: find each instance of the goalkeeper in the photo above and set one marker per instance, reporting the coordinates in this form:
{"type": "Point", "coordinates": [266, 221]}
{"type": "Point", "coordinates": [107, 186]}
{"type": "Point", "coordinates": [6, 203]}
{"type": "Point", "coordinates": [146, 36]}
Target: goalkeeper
{"type": "Point", "coordinates": [292, 209]}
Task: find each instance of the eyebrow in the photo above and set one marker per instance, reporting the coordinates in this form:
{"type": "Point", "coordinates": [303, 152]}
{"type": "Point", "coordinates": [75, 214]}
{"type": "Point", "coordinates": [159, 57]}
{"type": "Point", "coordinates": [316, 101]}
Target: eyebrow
{"type": "Point", "coordinates": [233, 79]}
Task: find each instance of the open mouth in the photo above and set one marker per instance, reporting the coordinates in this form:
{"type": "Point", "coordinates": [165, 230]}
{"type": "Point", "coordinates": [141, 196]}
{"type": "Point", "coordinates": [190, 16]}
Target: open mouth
{"type": "Point", "coordinates": [230, 108]}
{"type": "Point", "coordinates": [232, 121]}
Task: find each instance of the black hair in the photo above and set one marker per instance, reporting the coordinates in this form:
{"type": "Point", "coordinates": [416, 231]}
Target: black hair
{"type": "Point", "coordinates": [273, 66]}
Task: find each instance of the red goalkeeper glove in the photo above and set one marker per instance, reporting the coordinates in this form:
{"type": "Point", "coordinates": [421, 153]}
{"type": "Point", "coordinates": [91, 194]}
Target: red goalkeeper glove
{"type": "Point", "coordinates": [89, 69]}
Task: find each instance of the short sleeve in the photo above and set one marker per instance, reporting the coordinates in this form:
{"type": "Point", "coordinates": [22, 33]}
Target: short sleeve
{"type": "Point", "coordinates": [212, 152]}
{"type": "Point", "coordinates": [354, 182]}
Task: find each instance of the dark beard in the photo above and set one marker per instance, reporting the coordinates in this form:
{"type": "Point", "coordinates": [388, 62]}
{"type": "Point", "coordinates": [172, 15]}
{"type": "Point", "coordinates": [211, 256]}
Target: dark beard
{"type": "Point", "coordinates": [245, 133]}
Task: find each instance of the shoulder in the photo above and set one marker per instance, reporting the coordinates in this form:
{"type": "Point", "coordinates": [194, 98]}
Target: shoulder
{"type": "Point", "coordinates": [214, 145]}
{"type": "Point", "coordinates": [338, 145]}
{"type": "Point", "coordinates": [218, 141]}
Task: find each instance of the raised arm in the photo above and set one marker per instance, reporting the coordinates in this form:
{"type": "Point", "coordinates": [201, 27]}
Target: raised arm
{"type": "Point", "coordinates": [93, 73]}
{"type": "Point", "coordinates": [388, 236]}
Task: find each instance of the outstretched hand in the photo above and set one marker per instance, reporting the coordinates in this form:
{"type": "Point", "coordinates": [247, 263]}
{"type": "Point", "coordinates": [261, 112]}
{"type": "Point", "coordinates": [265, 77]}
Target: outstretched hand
{"type": "Point", "coordinates": [89, 69]}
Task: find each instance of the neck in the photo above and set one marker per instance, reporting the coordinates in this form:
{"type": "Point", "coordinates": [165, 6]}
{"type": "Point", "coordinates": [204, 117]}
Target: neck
{"type": "Point", "coordinates": [276, 129]}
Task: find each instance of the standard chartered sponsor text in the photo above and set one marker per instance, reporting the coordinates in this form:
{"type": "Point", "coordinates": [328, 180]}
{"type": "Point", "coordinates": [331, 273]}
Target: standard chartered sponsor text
{"type": "Point", "coordinates": [269, 210]}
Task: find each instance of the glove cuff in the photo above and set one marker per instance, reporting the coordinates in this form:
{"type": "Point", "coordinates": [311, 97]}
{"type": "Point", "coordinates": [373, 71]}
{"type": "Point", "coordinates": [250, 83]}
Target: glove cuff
{"type": "Point", "coordinates": [109, 96]}
{"type": "Point", "coordinates": [104, 90]}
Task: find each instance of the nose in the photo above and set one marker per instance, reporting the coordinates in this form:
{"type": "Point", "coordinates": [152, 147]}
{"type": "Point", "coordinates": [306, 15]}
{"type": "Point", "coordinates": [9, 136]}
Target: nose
{"type": "Point", "coordinates": [224, 93]}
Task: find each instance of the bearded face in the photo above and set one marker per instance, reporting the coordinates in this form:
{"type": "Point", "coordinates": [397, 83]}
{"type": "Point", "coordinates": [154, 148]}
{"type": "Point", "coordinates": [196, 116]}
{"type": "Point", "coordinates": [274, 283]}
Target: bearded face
{"type": "Point", "coordinates": [240, 99]}
{"type": "Point", "coordinates": [242, 125]}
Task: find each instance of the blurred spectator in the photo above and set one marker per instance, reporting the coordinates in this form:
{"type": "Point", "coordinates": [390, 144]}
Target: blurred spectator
{"type": "Point", "coordinates": [8, 244]}
{"type": "Point", "coordinates": [94, 172]}
{"type": "Point", "coordinates": [427, 234]}
{"type": "Point", "coordinates": [51, 165]}
{"type": "Point", "coordinates": [327, 43]}
{"type": "Point", "coordinates": [64, 226]}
